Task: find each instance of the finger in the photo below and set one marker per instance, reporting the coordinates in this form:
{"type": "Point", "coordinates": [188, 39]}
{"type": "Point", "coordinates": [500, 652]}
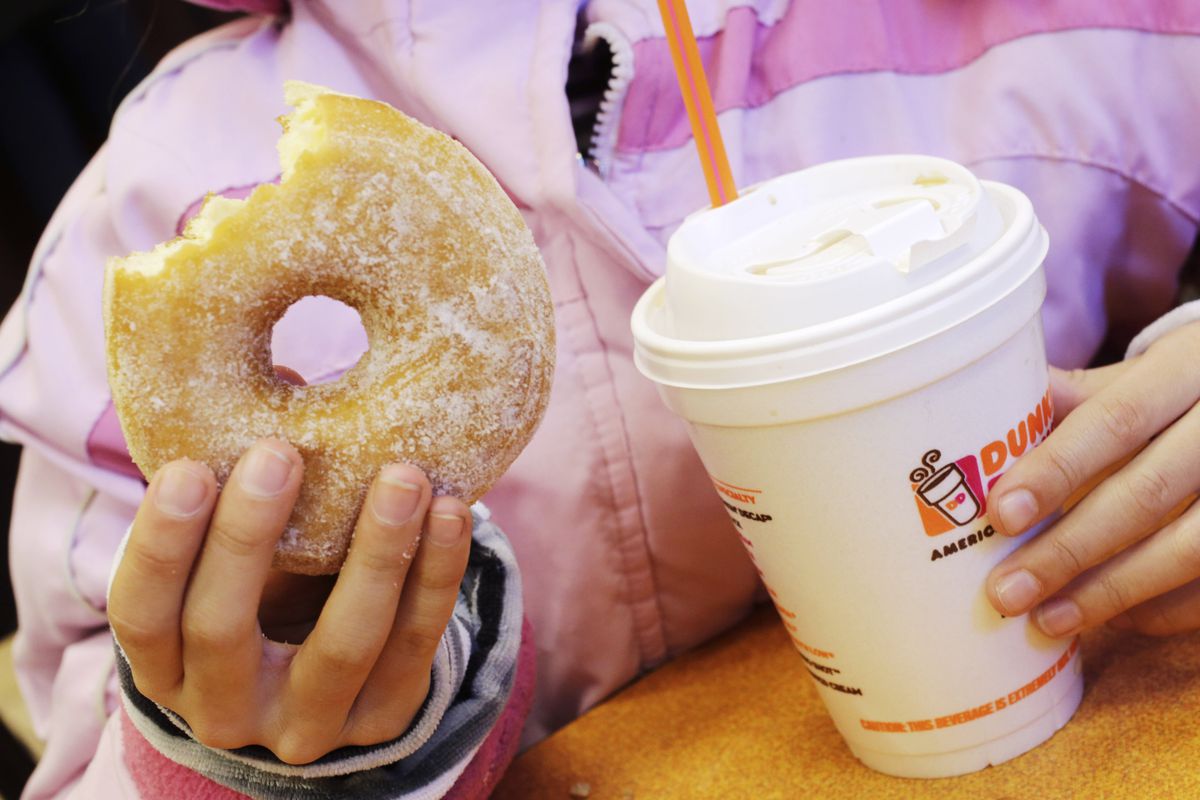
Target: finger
{"type": "Point", "coordinates": [334, 662]}
{"type": "Point", "coordinates": [289, 375]}
{"type": "Point", "coordinates": [426, 605]}
{"type": "Point", "coordinates": [1121, 510]}
{"type": "Point", "coordinates": [1177, 611]}
{"type": "Point", "coordinates": [1154, 566]}
{"type": "Point", "coordinates": [1069, 388]}
{"type": "Point", "coordinates": [146, 600]}
{"type": "Point", "coordinates": [221, 640]}
{"type": "Point", "coordinates": [1116, 421]}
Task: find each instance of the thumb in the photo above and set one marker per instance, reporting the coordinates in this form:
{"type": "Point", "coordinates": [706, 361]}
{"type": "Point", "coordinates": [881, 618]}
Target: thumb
{"type": "Point", "coordinates": [1069, 388]}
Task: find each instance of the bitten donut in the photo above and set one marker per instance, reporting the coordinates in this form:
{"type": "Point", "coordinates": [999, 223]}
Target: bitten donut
{"type": "Point", "coordinates": [400, 223]}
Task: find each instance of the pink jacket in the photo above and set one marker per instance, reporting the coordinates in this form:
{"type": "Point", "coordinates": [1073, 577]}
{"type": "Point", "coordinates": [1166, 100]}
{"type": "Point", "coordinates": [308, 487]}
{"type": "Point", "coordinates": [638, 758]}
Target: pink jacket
{"type": "Point", "coordinates": [627, 555]}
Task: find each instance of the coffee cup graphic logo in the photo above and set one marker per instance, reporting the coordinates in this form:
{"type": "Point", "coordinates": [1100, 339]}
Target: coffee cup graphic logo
{"type": "Point", "coordinates": [945, 489]}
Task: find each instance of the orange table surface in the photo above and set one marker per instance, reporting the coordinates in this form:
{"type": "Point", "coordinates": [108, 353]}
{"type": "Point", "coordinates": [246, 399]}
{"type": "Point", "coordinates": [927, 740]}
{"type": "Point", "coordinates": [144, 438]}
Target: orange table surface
{"type": "Point", "coordinates": [739, 718]}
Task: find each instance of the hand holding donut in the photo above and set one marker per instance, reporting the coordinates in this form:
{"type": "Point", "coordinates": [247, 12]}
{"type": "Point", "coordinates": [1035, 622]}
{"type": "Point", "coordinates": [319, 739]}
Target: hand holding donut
{"type": "Point", "coordinates": [402, 224]}
{"type": "Point", "coordinates": [1121, 554]}
{"type": "Point", "coordinates": [195, 592]}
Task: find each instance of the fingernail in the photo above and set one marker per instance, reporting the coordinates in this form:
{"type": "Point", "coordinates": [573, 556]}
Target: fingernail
{"type": "Point", "coordinates": [181, 491]}
{"type": "Point", "coordinates": [1017, 591]}
{"type": "Point", "coordinates": [394, 499]}
{"type": "Point", "coordinates": [445, 529]}
{"type": "Point", "coordinates": [265, 471]}
{"type": "Point", "coordinates": [1016, 511]}
{"type": "Point", "coordinates": [1059, 617]}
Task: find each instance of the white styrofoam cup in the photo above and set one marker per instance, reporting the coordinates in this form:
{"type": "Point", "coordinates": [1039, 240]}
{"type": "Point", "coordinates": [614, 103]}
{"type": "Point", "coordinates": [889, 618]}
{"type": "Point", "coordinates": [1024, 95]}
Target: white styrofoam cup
{"type": "Point", "coordinates": [857, 350]}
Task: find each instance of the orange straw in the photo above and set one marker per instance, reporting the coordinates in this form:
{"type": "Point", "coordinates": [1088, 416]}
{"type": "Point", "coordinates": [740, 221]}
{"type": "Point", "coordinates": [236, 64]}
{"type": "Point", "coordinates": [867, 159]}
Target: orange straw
{"type": "Point", "coordinates": [698, 101]}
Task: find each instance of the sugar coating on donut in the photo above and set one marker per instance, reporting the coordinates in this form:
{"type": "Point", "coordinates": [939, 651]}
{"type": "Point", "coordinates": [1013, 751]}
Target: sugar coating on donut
{"type": "Point", "coordinates": [400, 223]}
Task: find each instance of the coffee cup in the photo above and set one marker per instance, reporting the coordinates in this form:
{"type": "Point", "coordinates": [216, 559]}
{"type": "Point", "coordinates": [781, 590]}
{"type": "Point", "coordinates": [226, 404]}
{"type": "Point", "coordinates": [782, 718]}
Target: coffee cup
{"type": "Point", "coordinates": [857, 351]}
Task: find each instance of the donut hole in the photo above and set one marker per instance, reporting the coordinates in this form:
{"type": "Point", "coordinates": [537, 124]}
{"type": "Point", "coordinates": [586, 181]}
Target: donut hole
{"type": "Point", "coordinates": [319, 338]}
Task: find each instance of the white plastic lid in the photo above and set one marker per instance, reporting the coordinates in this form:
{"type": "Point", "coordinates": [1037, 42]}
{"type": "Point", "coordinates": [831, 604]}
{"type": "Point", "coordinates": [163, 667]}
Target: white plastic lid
{"type": "Point", "coordinates": [831, 266]}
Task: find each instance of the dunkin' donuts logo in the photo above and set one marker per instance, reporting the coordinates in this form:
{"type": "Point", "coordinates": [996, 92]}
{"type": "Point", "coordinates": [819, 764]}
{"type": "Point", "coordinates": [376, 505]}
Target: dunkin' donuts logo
{"type": "Point", "coordinates": [953, 492]}
{"type": "Point", "coordinates": [950, 496]}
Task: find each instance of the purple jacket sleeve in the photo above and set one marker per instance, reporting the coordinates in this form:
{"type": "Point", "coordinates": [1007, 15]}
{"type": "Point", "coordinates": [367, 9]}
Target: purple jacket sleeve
{"type": "Point", "coordinates": [1175, 318]}
{"type": "Point", "coordinates": [69, 512]}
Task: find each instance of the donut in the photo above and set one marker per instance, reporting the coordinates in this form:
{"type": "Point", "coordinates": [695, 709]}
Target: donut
{"type": "Point", "coordinates": [397, 221]}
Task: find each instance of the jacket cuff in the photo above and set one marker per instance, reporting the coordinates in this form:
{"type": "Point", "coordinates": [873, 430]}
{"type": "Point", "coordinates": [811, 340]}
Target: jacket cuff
{"type": "Point", "coordinates": [1176, 318]}
{"type": "Point", "coordinates": [472, 678]}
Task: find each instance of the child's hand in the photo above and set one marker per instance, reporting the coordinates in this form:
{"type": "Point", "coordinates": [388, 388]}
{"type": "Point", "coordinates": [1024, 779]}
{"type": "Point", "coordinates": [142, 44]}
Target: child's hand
{"type": "Point", "coordinates": [185, 607]}
{"type": "Point", "coordinates": [1110, 557]}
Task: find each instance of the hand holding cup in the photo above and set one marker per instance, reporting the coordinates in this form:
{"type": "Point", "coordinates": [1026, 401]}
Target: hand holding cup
{"type": "Point", "coordinates": [1120, 554]}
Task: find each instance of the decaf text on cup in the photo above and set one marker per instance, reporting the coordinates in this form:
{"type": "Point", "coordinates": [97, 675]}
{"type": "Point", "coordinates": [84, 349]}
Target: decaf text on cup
{"type": "Point", "coordinates": [753, 516]}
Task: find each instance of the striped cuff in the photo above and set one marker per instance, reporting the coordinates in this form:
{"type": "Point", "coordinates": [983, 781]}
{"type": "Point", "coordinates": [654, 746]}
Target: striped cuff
{"type": "Point", "coordinates": [473, 674]}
